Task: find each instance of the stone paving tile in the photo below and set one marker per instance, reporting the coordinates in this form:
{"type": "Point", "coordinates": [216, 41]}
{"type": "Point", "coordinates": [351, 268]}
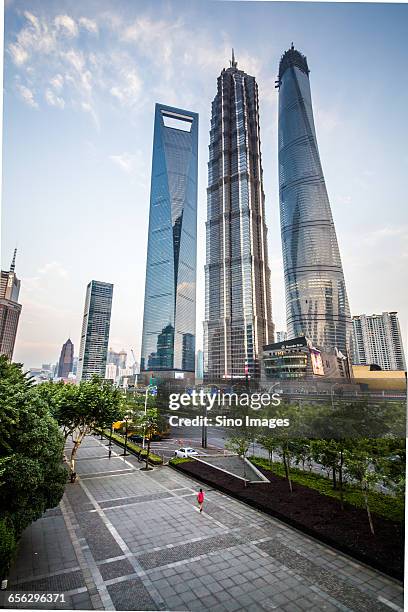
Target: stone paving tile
{"type": "Point", "coordinates": [135, 499]}
{"type": "Point", "coordinates": [131, 595]}
{"type": "Point", "coordinates": [99, 539]}
{"type": "Point", "coordinates": [77, 498]}
{"type": "Point", "coordinates": [105, 474]}
{"type": "Point", "coordinates": [53, 584]}
{"type": "Point", "coordinates": [186, 551]}
{"type": "Point", "coordinates": [115, 569]}
{"type": "Point", "coordinates": [52, 512]}
{"type": "Point", "coordinates": [44, 546]}
{"type": "Point", "coordinates": [345, 593]}
{"type": "Point", "coordinates": [244, 560]}
{"type": "Point", "coordinates": [114, 487]}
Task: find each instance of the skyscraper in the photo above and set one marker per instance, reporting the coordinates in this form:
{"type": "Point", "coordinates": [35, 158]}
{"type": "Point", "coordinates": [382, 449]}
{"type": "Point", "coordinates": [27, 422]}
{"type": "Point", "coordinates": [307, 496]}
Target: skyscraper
{"type": "Point", "coordinates": [95, 330]}
{"type": "Point", "coordinates": [281, 336]}
{"type": "Point", "coordinates": [168, 340]}
{"type": "Point", "coordinates": [66, 360]}
{"type": "Point", "coordinates": [10, 309]}
{"type": "Point", "coordinates": [377, 340]}
{"type": "Point", "coordinates": [238, 318]}
{"type": "Point", "coordinates": [316, 297]}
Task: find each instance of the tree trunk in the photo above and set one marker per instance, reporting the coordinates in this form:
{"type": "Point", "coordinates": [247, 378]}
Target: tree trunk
{"type": "Point", "coordinates": [285, 463]}
{"type": "Point", "coordinates": [370, 520]}
{"type": "Point", "coordinates": [341, 480]}
{"type": "Point", "coordinates": [77, 444]}
{"type": "Point", "coordinates": [334, 479]}
{"type": "Point", "coordinates": [148, 452]}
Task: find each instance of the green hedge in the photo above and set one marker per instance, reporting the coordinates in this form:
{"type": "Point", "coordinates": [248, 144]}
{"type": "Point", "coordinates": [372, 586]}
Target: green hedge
{"type": "Point", "coordinates": [134, 448]}
{"type": "Point", "coordinates": [7, 546]}
{"type": "Point", "coordinates": [384, 505]}
{"type": "Point", "coordinates": [178, 460]}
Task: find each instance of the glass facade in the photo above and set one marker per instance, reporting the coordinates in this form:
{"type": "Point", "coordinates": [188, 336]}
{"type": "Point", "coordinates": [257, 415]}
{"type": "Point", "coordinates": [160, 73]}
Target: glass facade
{"type": "Point", "coordinates": [95, 330]}
{"type": "Point", "coordinates": [10, 309]}
{"type": "Point", "coordinates": [168, 340]}
{"type": "Point", "coordinates": [66, 360]}
{"type": "Point", "coordinates": [316, 297]}
{"type": "Point", "coordinates": [238, 319]}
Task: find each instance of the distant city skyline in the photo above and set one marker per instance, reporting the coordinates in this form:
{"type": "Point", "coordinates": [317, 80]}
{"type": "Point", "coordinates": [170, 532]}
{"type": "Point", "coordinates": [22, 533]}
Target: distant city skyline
{"type": "Point", "coordinates": [88, 76]}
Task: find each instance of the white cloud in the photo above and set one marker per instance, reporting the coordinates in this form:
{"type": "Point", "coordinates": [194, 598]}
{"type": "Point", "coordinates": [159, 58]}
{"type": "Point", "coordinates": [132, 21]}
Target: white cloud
{"type": "Point", "coordinates": [57, 82]}
{"type": "Point", "coordinates": [54, 100]}
{"type": "Point", "coordinates": [66, 25]}
{"type": "Point", "coordinates": [18, 54]}
{"type": "Point", "coordinates": [35, 36]}
{"type": "Point", "coordinates": [129, 163]}
{"type": "Point", "coordinates": [128, 90]}
{"type": "Point", "coordinates": [51, 269]}
{"type": "Point", "coordinates": [27, 95]}
{"type": "Point", "coordinates": [55, 268]}
{"type": "Point", "coordinates": [75, 59]}
{"type": "Point", "coordinates": [33, 20]}
{"type": "Point", "coordinates": [88, 108]}
{"type": "Point", "coordinates": [88, 24]}
{"type": "Point", "coordinates": [49, 57]}
{"type": "Point", "coordinates": [385, 233]}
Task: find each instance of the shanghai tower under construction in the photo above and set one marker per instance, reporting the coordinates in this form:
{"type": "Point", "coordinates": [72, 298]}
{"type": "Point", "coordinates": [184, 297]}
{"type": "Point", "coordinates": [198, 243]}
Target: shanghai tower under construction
{"type": "Point", "coordinates": [316, 297]}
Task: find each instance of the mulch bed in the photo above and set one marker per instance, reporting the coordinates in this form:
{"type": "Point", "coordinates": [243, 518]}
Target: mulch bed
{"type": "Point", "coordinates": [317, 515]}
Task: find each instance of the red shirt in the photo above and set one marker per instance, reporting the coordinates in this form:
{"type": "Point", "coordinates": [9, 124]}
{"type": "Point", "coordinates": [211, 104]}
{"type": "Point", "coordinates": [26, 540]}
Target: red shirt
{"type": "Point", "coordinates": [200, 497]}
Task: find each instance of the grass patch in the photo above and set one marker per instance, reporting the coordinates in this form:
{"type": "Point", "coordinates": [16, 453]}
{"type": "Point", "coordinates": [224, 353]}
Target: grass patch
{"type": "Point", "coordinates": [387, 506]}
{"type": "Point", "coordinates": [178, 460]}
{"type": "Point", "coordinates": [153, 458]}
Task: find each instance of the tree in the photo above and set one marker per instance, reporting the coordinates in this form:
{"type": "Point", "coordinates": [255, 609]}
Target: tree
{"type": "Point", "coordinates": [80, 409]}
{"type": "Point", "coordinates": [268, 441]}
{"type": "Point", "coordinates": [360, 463]}
{"type": "Point", "coordinates": [149, 422]}
{"type": "Point", "coordinates": [32, 473]}
{"type": "Point", "coordinates": [239, 443]}
{"type": "Point", "coordinates": [61, 400]}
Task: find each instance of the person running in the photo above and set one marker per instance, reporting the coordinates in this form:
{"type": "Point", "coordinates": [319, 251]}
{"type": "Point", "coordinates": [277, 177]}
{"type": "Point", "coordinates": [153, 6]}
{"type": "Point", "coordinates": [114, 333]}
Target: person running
{"type": "Point", "coordinates": [200, 499]}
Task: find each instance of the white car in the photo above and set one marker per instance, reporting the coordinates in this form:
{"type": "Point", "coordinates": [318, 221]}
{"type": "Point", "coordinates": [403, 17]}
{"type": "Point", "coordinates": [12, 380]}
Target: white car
{"type": "Point", "coordinates": [185, 452]}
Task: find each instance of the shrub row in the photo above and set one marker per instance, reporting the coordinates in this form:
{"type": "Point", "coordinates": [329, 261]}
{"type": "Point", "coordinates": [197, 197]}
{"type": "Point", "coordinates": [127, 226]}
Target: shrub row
{"type": "Point", "coordinates": [384, 505]}
{"type": "Point", "coordinates": [178, 460]}
{"type": "Point", "coordinates": [133, 448]}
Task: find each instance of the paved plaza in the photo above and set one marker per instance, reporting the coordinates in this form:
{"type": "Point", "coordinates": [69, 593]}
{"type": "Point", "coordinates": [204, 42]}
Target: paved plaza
{"type": "Point", "coordinates": [124, 539]}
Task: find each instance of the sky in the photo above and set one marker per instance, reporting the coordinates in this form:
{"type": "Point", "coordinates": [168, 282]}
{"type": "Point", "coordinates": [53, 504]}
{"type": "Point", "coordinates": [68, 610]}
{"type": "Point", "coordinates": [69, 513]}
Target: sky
{"type": "Point", "coordinates": [80, 83]}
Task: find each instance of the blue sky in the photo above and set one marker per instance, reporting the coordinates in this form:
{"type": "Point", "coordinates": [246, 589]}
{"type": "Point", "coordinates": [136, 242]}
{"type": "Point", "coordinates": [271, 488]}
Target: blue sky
{"type": "Point", "coordinates": [80, 83]}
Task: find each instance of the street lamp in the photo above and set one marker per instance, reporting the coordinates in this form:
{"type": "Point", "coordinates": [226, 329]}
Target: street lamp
{"type": "Point", "coordinates": [126, 434]}
{"type": "Point", "coordinates": [332, 394]}
{"type": "Point", "coordinates": [153, 391]}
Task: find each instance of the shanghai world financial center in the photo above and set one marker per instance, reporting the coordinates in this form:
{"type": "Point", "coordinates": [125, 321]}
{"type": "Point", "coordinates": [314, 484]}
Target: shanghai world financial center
{"type": "Point", "coordinates": [168, 341]}
{"type": "Point", "coordinates": [238, 312]}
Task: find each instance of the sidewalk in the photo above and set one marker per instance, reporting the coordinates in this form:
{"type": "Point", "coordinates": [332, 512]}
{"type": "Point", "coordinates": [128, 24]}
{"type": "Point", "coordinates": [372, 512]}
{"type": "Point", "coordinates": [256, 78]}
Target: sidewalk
{"type": "Point", "coordinates": [123, 539]}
